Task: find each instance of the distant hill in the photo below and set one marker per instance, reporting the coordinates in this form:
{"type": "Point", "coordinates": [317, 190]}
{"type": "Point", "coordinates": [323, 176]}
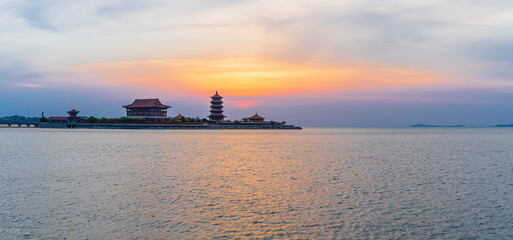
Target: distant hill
{"type": "Point", "coordinates": [16, 118]}
{"type": "Point", "coordinates": [500, 125]}
{"type": "Point", "coordinates": [425, 126]}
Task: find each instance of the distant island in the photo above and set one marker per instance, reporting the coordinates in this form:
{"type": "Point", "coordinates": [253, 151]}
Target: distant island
{"type": "Point", "coordinates": [427, 126]}
{"type": "Point", "coordinates": [500, 125]}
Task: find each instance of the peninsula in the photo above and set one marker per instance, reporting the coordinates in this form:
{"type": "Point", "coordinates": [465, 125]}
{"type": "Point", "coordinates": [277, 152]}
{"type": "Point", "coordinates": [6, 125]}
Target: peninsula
{"type": "Point", "coordinates": [152, 114]}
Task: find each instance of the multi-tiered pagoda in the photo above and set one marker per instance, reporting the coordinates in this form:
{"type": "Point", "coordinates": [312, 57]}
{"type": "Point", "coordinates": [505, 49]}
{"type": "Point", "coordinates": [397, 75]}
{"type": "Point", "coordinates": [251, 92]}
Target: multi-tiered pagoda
{"type": "Point", "coordinates": [216, 108]}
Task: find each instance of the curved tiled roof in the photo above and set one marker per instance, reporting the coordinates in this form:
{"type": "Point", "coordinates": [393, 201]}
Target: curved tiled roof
{"type": "Point", "coordinates": [58, 118]}
{"type": "Point", "coordinates": [146, 103]}
{"type": "Point", "coordinates": [256, 116]}
{"type": "Point", "coordinates": [178, 117]}
{"type": "Point", "coordinates": [73, 111]}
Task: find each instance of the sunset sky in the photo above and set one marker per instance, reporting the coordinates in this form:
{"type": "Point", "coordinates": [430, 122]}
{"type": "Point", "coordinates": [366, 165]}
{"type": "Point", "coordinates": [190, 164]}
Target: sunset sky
{"type": "Point", "coordinates": [358, 63]}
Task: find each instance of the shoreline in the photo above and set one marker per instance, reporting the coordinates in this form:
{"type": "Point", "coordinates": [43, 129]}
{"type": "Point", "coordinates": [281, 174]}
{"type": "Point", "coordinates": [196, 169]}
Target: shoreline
{"type": "Point", "coordinates": [168, 126]}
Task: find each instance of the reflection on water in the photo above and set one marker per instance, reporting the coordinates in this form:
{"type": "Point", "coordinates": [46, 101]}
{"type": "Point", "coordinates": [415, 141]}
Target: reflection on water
{"type": "Point", "coordinates": [315, 183]}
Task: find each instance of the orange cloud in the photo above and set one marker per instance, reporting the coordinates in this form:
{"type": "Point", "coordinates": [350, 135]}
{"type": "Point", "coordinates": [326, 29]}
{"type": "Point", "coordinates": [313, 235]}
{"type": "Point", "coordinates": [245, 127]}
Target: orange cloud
{"type": "Point", "coordinates": [249, 77]}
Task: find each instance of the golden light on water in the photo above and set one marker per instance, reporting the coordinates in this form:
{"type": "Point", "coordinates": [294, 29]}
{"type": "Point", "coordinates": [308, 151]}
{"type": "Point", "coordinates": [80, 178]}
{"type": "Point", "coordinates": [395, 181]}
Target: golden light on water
{"type": "Point", "coordinates": [240, 188]}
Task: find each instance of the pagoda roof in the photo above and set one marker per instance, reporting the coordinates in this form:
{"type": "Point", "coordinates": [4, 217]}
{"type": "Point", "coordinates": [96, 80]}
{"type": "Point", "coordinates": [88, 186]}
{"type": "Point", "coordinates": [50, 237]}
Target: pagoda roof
{"type": "Point", "coordinates": [146, 103]}
{"type": "Point", "coordinates": [256, 116]}
{"type": "Point", "coordinates": [73, 111]}
{"type": "Point", "coordinates": [217, 95]}
{"type": "Point", "coordinates": [179, 116]}
{"type": "Point", "coordinates": [58, 118]}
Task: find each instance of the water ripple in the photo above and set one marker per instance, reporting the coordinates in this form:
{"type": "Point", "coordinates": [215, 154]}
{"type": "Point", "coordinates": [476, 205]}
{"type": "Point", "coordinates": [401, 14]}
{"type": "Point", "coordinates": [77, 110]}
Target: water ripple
{"type": "Point", "coordinates": [310, 184]}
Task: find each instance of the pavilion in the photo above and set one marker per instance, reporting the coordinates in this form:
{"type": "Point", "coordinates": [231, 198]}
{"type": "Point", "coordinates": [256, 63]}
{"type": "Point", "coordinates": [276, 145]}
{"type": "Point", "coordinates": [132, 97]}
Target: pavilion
{"type": "Point", "coordinates": [254, 118]}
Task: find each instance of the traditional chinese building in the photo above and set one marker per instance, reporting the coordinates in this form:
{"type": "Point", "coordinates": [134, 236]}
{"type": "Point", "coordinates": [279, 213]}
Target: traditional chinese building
{"type": "Point", "coordinates": [216, 108]}
{"type": "Point", "coordinates": [147, 108]}
{"type": "Point", "coordinates": [53, 119]}
{"type": "Point", "coordinates": [73, 117]}
{"type": "Point", "coordinates": [258, 120]}
{"type": "Point", "coordinates": [254, 118]}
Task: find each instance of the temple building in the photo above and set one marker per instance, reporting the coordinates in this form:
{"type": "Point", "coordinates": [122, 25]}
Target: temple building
{"type": "Point", "coordinates": [254, 118]}
{"type": "Point", "coordinates": [216, 108]}
{"type": "Point", "coordinates": [147, 108]}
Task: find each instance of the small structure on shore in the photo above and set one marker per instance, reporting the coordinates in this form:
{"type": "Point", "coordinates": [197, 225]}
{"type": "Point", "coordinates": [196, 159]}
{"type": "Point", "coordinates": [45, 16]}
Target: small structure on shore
{"type": "Point", "coordinates": [73, 115]}
{"type": "Point", "coordinates": [254, 118]}
{"type": "Point", "coordinates": [72, 118]}
{"type": "Point", "coordinates": [216, 108]}
{"type": "Point", "coordinates": [60, 122]}
{"type": "Point", "coordinates": [259, 120]}
{"type": "Point", "coordinates": [147, 109]}
{"type": "Point", "coordinates": [178, 117]}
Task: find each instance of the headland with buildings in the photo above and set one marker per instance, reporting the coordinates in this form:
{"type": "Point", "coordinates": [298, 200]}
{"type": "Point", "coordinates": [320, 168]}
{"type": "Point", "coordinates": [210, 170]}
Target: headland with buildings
{"type": "Point", "coordinates": [152, 114]}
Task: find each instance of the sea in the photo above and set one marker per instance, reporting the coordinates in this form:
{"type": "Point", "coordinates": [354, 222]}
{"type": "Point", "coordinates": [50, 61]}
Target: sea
{"type": "Point", "coordinates": [316, 183]}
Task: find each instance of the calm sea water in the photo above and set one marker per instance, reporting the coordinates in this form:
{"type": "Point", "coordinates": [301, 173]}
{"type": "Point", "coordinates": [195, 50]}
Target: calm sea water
{"type": "Point", "coordinates": [435, 183]}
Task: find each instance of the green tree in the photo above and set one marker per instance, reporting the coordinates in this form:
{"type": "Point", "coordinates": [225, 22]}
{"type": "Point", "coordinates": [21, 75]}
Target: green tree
{"type": "Point", "coordinates": [92, 119]}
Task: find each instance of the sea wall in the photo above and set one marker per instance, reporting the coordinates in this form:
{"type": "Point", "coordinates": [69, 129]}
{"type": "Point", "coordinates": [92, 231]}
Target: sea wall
{"type": "Point", "coordinates": [166, 126]}
{"type": "Point", "coordinates": [52, 125]}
